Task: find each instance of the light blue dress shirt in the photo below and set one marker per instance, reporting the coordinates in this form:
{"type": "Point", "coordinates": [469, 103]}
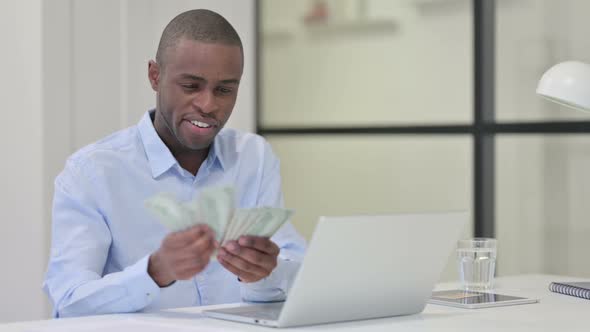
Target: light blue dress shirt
{"type": "Point", "coordinates": [102, 235]}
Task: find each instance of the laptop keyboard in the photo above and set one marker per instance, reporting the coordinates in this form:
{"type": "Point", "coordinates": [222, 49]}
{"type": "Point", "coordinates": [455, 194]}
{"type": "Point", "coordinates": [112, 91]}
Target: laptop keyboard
{"type": "Point", "coordinates": [268, 311]}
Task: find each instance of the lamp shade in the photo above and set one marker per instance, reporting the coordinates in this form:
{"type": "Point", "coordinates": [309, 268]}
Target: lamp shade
{"type": "Point", "coordinates": [567, 83]}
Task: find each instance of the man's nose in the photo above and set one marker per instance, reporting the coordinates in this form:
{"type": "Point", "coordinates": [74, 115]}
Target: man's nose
{"type": "Point", "coordinates": [205, 101]}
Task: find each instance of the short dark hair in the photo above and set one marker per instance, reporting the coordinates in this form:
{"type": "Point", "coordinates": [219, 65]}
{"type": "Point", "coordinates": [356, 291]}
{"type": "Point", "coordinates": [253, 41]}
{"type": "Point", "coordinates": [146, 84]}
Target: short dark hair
{"type": "Point", "coordinates": [199, 25]}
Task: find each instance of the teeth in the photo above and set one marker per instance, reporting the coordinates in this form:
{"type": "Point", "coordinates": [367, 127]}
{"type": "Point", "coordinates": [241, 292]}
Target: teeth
{"type": "Point", "coordinates": [200, 124]}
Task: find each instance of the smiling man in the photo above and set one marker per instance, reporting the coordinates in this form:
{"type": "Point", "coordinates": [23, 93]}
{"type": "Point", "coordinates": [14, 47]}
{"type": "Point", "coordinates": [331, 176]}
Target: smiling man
{"type": "Point", "coordinates": [109, 255]}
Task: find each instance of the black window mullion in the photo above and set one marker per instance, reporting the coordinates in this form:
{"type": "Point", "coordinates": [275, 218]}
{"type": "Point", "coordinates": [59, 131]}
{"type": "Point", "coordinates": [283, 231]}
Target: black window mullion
{"type": "Point", "coordinates": [483, 129]}
{"type": "Point", "coordinates": [483, 108]}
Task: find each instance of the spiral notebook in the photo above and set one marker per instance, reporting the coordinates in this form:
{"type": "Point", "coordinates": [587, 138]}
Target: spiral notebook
{"type": "Point", "coordinates": [578, 289]}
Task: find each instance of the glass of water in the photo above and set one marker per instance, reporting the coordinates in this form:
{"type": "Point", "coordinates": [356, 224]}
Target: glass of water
{"type": "Point", "coordinates": [477, 263]}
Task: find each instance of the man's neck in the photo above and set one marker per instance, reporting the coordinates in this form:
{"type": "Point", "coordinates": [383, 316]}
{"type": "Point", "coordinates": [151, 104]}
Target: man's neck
{"type": "Point", "coordinates": [190, 160]}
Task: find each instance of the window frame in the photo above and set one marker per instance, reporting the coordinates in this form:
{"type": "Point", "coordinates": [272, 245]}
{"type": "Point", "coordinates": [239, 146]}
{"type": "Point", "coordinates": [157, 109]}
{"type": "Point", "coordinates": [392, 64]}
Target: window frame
{"type": "Point", "coordinates": [483, 130]}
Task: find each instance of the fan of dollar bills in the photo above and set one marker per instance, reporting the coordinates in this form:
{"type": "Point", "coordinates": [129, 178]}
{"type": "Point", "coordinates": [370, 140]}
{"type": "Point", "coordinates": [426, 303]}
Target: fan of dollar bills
{"type": "Point", "coordinates": [216, 208]}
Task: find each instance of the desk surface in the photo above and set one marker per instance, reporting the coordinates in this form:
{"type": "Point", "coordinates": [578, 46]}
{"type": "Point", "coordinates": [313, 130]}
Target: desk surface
{"type": "Point", "coordinates": [555, 312]}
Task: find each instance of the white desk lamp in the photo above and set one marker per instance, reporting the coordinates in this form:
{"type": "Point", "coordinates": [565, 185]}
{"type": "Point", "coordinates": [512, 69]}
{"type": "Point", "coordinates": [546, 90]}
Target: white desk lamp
{"type": "Point", "coordinates": [568, 84]}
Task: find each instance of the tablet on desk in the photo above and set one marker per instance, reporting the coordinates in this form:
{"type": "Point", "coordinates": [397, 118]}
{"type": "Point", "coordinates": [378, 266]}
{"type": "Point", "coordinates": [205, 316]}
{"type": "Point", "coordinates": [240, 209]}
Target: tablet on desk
{"type": "Point", "coordinates": [473, 300]}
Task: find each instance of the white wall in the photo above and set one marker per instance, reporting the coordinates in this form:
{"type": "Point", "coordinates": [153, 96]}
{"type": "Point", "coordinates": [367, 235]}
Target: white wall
{"type": "Point", "coordinates": [23, 230]}
{"type": "Point", "coordinates": [75, 71]}
{"type": "Point", "coordinates": [109, 85]}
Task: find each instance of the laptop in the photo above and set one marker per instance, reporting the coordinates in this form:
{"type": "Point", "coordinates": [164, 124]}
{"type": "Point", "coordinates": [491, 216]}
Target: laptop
{"type": "Point", "coordinates": [362, 267]}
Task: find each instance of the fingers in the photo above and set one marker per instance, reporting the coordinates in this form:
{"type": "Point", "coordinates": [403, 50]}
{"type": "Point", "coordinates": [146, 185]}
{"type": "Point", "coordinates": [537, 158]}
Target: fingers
{"type": "Point", "coordinates": [188, 252]}
{"type": "Point", "coordinates": [251, 262]}
{"type": "Point", "coordinates": [242, 275]}
{"type": "Point", "coordinates": [262, 244]}
{"type": "Point", "coordinates": [203, 243]}
{"type": "Point", "coordinates": [244, 270]}
{"type": "Point", "coordinates": [187, 237]}
{"type": "Point", "coordinates": [187, 263]}
{"type": "Point", "coordinates": [204, 239]}
{"type": "Point", "coordinates": [198, 251]}
{"type": "Point", "coordinates": [252, 256]}
{"type": "Point", "coordinates": [189, 269]}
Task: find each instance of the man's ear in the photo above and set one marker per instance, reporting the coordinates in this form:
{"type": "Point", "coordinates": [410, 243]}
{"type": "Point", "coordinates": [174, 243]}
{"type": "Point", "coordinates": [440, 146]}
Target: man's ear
{"type": "Point", "coordinates": [153, 74]}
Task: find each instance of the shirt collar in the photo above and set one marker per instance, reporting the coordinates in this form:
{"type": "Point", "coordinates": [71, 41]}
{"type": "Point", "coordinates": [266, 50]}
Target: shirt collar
{"type": "Point", "coordinates": [159, 156]}
{"type": "Point", "coordinates": [215, 156]}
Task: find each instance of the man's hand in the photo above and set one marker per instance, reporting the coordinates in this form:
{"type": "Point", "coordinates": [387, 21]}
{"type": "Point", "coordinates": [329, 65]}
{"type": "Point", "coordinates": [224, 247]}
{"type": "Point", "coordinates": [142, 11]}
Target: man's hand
{"type": "Point", "coordinates": [182, 255]}
{"type": "Point", "coordinates": [251, 258]}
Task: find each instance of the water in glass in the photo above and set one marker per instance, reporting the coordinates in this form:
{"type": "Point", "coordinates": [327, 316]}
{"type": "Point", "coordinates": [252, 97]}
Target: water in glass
{"type": "Point", "coordinates": [476, 267]}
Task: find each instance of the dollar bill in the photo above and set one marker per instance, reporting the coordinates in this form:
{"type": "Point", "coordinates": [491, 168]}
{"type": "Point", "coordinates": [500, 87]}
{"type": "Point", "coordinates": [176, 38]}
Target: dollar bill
{"type": "Point", "coordinates": [216, 208]}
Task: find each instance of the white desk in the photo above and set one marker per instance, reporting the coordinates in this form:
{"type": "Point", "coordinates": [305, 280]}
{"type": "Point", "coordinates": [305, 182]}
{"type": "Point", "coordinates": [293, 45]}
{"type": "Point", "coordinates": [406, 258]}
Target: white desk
{"type": "Point", "coordinates": [555, 312]}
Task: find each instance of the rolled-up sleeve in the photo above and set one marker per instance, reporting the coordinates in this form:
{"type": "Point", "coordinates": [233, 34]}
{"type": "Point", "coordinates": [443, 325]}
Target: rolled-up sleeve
{"type": "Point", "coordinates": [80, 246]}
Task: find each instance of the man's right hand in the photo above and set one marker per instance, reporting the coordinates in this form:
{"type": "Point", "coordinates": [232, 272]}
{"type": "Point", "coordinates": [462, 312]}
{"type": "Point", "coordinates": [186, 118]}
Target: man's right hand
{"type": "Point", "coordinates": [182, 255]}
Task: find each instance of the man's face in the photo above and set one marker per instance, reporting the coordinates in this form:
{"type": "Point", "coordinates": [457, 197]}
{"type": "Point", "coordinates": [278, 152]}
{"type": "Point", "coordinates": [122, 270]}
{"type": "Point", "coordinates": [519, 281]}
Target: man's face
{"type": "Point", "coordinates": [196, 91]}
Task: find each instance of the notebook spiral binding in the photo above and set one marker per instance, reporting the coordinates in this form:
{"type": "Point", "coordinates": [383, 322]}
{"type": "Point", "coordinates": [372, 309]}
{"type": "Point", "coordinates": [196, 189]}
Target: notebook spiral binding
{"type": "Point", "coordinates": [569, 290]}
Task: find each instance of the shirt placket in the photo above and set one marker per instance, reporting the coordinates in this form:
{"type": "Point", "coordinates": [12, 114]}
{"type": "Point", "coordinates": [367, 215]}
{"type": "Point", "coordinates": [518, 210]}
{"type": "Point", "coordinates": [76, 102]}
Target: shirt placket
{"type": "Point", "coordinates": [200, 280]}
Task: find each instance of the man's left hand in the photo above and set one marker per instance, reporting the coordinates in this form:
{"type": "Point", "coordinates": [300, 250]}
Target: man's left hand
{"type": "Point", "coordinates": [251, 258]}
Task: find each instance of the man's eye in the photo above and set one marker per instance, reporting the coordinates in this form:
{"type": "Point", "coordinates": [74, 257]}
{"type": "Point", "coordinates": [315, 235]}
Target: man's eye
{"type": "Point", "coordinates": [190, 86]}
{"type": "Point", "coordinates": [224, 90]}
